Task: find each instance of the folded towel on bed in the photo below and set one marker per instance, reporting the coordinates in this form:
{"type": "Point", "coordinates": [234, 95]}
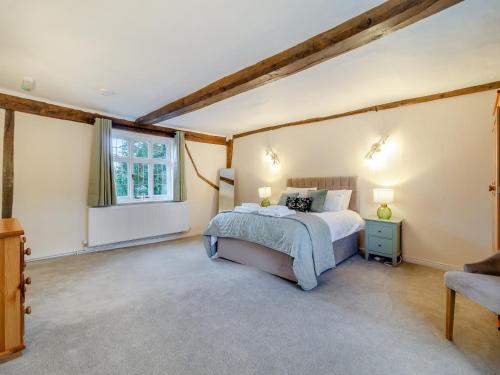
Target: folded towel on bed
{"type": "Point", "coordinates": [246, 209]}
{"type": "Point", "coordinates": [276, 211]}
{"type": "Point", "coordinates": [279, 208]}
{"type": "Point", "coordinates": [251, 205]}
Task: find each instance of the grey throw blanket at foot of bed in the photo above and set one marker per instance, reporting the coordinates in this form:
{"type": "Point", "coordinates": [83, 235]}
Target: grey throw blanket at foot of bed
{"type": "Point", "coordinates": [306, 238]}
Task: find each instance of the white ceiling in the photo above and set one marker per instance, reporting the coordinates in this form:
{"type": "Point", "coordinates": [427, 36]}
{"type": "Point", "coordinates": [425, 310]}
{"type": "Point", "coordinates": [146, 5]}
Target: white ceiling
{"type": "Point", "coordinates": [152, 52]}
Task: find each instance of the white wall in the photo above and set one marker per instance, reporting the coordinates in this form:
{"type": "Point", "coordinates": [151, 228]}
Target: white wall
{"type": "Point", "coordinates": [51, 168]}
{"type": "Point", "coordinates": [440, 170]}
{"type": "Point", "coordinates": [203, 199]}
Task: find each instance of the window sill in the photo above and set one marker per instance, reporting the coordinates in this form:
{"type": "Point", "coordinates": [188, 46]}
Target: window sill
{"type": "Point", "coordinates": [146, 202]}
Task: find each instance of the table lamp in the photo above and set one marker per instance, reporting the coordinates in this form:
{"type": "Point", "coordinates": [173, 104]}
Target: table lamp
{"type": "Point", "coordinates": [265, 194]}
{"type": "Point", "coordinates": [383, 196]}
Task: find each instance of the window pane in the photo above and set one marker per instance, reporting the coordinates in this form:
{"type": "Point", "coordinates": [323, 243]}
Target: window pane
{"type": "Point", "coordinates": [140, 178]}
{"type": "Point", "coordinates": [160, 179]}
{"type": "Point", "coordinates": [159, 151]}
{"type": "Point", "coordinates": [121, 178]}
{"type": "Point", "coordinates": [120, 147]}
{"type": "Point", "coordinates": [140, 149]}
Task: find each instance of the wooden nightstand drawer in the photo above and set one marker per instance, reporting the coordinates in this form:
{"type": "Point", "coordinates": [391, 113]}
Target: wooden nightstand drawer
{"type": "Point", "coordinates": [380, 245]}
{"type": "Point", "coordinates": [380, 230]}
{"type": "Point", "coordinates": [383, 238]}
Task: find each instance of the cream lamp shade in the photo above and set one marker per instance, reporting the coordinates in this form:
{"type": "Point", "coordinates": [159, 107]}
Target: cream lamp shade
{"type": "Point", "coordinates": [383, 195]}
{"type": "Point", "coordinates": [264, 192]}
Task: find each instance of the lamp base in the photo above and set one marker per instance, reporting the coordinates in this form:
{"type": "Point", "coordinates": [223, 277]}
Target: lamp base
{"type": "Point", "coordinates": [265, 202]}
{"type": "Point", "coordinates": [384, 212]}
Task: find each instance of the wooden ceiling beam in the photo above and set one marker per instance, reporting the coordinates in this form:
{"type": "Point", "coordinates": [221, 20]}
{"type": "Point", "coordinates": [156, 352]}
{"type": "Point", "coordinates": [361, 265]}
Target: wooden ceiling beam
{"type": "Point", "coordinates": [379, 107]}
{"type": "Point", "coordinates": [35, 107]}
{"type": "Point", "coordinates": [356, 32]}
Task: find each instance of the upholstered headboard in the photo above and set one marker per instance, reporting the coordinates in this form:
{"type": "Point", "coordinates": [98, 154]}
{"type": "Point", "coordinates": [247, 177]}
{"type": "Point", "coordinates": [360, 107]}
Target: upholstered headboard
{"type": "Point", "coordinates": [330, 183]}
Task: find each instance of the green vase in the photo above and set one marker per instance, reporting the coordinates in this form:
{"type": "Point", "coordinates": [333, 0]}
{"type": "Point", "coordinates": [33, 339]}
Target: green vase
{"type": "Point", "coordinates": [384, 212]}
{"type": "Point", "coordinates": [265, 202]}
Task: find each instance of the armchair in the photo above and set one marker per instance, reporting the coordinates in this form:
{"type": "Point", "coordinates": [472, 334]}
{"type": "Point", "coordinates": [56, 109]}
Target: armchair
{"type": "Point", "coordinates": [479, 282]}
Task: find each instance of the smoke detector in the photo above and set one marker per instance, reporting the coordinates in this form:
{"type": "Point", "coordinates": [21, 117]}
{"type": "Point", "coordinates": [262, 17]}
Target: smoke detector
{"type": "Point", "coordinates": [106, 92]}
{"type": "Point", "coordinates": [28, 84]}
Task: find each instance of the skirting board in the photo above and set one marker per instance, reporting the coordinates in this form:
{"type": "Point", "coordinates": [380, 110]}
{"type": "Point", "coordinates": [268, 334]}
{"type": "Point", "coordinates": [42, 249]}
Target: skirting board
{"type": "Point", "coordinates": [421, 262]}
{"type": "Point", "coordinates": [433, 264]}
{"type": "Point", "coordinates": [142, 241]}
{"type": "Point", "coordinates": [426, 263]}
{"type": "Point", "coordinates": [114, 246]}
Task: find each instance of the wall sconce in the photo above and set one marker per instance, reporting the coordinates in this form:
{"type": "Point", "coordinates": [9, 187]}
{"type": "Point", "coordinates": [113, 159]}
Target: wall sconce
{"type": "Point", "coordinates": [376, 148]}
{"type": "Point", "coordinates": [273, 158]}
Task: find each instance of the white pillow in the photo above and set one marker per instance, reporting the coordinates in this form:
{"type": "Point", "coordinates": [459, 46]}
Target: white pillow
{"type": "Point", "coordinates": [302, 191]}
{"type": "Point", "coordinates": [337, 200]}
{"type": "Point", "coordinates": [347, 199]}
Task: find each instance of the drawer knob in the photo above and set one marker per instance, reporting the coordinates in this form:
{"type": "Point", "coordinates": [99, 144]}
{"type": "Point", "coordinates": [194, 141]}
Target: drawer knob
{"type": "Point", "coordinates": [379, 245]}
{"type": "Point", "coordinates": [28, 280]}
{"type": "Point", "coordinates": [380, 231]}
{"type": "Point", "coordinates": [27, 310]}
{"type": "Point", "coordinates": [27, 251]}
{"type": "Point", "coordinates": [23, 239]}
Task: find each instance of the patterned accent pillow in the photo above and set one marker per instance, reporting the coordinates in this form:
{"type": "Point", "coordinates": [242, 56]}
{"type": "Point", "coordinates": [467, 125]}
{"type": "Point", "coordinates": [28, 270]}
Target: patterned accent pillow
{"type": "Point", "coordinates": [284, 197]}
{"type": "Point", "coordinates": [299, 204]}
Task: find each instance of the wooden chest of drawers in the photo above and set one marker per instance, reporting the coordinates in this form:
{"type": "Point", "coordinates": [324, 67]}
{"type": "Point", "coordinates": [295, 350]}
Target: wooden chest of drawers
{"type": "Point", "coordinates": [383, 238]}
{"type": "Point", "coordinates": [12, 288]}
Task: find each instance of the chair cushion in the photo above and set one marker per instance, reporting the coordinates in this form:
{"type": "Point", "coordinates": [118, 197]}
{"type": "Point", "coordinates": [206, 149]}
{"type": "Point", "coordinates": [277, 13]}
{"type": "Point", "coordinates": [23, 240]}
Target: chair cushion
{"type": "Point", "coordinates": [483, 289]}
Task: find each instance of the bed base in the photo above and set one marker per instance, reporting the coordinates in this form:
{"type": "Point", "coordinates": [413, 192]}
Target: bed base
{"type": "Point", "coordinates": [275, 262]}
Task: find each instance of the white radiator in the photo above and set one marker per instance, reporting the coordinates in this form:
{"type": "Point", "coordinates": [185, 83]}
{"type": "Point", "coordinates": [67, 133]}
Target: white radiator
{"type": "Point", "coordinates": [108, 225]}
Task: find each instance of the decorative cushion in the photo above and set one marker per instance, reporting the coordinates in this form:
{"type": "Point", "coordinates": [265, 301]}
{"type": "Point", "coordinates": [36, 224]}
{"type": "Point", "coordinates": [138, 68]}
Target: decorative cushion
{"type": "Point", "coordinates": [302, 191]}
{"type": "Point", "coordinates": [284, 196]}
{"type": "Point", "coordinates": [299, 204]}
{"type": "Point", "coordinates": [318, 199]}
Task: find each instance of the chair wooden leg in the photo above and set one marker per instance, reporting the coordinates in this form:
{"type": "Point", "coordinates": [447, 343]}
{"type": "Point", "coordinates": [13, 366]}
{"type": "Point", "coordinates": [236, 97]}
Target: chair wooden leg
{"type": "Point", "coordinates": [450, 312]}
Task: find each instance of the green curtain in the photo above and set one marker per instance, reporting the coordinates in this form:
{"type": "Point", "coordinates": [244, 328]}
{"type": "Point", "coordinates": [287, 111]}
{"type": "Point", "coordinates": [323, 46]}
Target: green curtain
{"type": "Point", "coordinates": [179, 167]}
{"type": "Point", "coordinates": [102, 191]}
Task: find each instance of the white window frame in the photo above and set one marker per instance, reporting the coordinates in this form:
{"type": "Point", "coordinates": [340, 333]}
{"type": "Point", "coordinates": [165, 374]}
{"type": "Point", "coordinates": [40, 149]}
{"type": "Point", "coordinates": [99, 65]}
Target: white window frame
{"type": "Point", "coordinates": [132, 137]}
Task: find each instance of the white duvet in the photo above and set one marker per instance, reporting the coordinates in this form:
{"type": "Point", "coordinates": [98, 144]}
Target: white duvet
{"type": "Point", "coordinates": [341, 223]}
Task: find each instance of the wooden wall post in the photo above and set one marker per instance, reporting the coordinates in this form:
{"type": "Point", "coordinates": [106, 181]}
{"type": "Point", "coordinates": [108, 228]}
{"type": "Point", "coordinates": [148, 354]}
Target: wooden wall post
{"type": "Point", "coordinates": [8, 164]}
{"type": "Point", "coordinates": [229, 153]}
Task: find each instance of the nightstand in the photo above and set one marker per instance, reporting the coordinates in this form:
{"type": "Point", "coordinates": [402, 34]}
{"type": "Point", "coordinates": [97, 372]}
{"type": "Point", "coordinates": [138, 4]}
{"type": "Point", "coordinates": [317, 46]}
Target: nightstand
{"type": "Point", "coordinates": [383, 238]}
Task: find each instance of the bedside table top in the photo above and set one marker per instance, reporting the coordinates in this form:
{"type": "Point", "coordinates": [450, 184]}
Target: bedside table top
{"type": "Point", "coordinates": [393, 220]}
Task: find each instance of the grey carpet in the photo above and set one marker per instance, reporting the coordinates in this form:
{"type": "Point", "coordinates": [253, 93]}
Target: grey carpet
{"type": "Point", "coordinates": [167, 309]}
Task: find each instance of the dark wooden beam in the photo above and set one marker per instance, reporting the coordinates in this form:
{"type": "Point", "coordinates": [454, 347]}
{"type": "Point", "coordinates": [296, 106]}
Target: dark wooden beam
{"type": "Point", "coordinates": [356, 32]}
{"type": "Point", "coordinates": [204, 138]}
{"type": "Point", "coordinates": [229, 153]}
{"type": "Point", "coordinates": [35, 107]}
{"type": "Point", "coordinates": [380, 107]}
{"type": "Point", "coordinates": [8, 164]}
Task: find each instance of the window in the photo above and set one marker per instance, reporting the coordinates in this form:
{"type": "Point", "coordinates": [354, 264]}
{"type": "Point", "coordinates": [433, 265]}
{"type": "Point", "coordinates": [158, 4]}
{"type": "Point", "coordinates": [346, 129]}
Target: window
{"type": "Point", "coordinates": [142, 167]}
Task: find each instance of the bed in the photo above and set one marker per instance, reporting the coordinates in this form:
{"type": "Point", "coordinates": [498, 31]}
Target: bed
{"type": "Point", "coordinates": [278, 263]}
